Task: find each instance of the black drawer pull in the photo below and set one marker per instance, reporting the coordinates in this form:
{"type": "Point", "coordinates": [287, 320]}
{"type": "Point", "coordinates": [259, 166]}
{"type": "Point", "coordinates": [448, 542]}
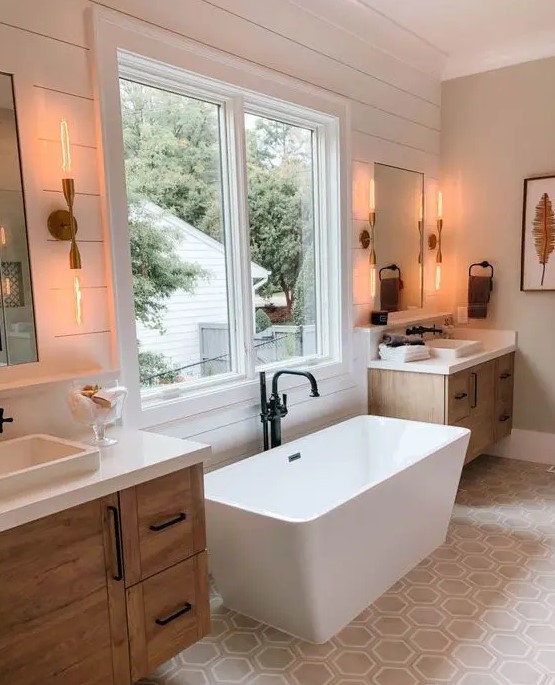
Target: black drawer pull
{"type": "Point", "coordinates": [461, 395]}
{"type": "Point", "coordinates": [505, 375]}
{"type": "Point", "coordinates": [177, 519]}
{"type": "Point", "coordinates": [504, 417]}
{"type": "Point", "coordinates": [172, 617]}
{"type": "Point", "coordinates": [117, 543]}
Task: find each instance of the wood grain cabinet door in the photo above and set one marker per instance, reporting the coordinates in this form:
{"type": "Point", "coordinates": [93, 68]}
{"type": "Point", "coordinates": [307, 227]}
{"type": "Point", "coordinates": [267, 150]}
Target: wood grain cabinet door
{"type": "Point", "coordinates": [55, 616]}
{"type": "Point", "coordinates": [504, 390]}
{"type": "Point", "coordinates": [482, 408]}
{"type": "Point", "coordinates": [482, 390]}
{"type": "Point", "coordinates": [457, 397]}
{"type": "Point", "coordinates": [504, 379]}
{"type": "Point", "coordinates": [167, 613]}
{"type": "Point", "coordinates": [406, 395]}
{"type": "Point", "coordinates": [163, 522]}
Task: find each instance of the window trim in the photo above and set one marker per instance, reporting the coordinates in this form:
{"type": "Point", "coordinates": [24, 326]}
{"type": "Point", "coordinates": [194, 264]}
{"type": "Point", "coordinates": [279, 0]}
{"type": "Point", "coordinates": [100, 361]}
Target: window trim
{"type": "Point", "coordinates": [243, 86]}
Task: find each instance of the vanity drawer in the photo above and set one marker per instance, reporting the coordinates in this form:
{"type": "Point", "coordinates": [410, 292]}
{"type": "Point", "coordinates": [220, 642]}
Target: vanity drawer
{"type": "Point", "coordinates": [163, 523]}
{"type": "Point", "coordinates": [458, 397]}
{"type": "Point", "coordinates": [504, 378]}
{"type": "Point", "coordinates": [503, 420]}
{"type": "Point", "coordinates": [167, 613]}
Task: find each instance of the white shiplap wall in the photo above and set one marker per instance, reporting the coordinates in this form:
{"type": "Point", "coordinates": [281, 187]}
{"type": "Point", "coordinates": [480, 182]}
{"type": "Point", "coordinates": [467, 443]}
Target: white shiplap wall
{"type": "Point", "coordinates": [342, 48]}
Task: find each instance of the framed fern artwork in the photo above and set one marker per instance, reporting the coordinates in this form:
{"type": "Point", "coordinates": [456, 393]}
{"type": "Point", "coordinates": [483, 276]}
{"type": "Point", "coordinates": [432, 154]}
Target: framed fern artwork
{"type": "Point", "coordinates": [538, 234]}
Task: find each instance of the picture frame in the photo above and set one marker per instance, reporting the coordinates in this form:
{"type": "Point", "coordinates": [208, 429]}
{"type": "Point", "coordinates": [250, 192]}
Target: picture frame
{"type": "Point", "coordinates": [537, 272]}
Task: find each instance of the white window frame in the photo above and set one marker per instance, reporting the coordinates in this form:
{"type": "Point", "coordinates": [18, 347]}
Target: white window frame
{"type": "Point", "coordinates": [134, 50]}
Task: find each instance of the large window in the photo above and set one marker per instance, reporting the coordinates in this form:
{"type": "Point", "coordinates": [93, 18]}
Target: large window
{"type": "Point", "coordinates": [281, 185]}
{"type": "Point", "coordinates": [233, 215]}
{"type": "Point", "coordinates": [173, 164]}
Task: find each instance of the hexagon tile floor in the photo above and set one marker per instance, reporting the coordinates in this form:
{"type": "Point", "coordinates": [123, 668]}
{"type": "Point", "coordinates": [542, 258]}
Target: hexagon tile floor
{"type": "Point", "coordinates": [479, 611]}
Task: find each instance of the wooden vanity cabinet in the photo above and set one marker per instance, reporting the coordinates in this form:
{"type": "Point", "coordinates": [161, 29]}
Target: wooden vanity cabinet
{"type": "Point", "coordinates": [479, 398]}
{"type": "Point", "coordinates": [62, 615]}
{"type": "Point", "coordinates": [87, 599]}
{"type": "Point", "coordinates": [166, 570]}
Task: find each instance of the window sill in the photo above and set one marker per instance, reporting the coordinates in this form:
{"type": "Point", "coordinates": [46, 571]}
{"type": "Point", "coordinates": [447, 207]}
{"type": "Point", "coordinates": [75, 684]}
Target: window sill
{"type": "Point", "coordinates": [204, 400]}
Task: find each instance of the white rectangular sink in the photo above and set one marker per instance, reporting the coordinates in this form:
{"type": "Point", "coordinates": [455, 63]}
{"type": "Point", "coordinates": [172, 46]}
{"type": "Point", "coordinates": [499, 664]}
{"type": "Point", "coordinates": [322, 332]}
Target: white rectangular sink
{"type": "Point", "coordinates": [453, 349]}
{"type": "Point", "coordinates": [37, 460]}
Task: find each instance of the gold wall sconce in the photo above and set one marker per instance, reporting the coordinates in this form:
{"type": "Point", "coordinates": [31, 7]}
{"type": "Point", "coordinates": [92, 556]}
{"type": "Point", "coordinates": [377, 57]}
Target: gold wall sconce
{"type": "Point", "coordinates": [367, 238]}
{"type": "Point", "coordinates": [434, 241]}
{"type": "Point", "coordinates": [62, 224]}
{"type": "Point", "coordinates": [439, 255]}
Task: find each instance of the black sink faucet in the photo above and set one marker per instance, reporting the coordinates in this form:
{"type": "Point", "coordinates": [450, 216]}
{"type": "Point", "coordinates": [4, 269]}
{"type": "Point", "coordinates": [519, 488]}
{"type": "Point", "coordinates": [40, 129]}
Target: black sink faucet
{"type": "Point", "coordinates": [272, 411]}
{"type": "Point", "coordinates": [420, 330]}
{"type": "Point", "coordinates": [4, 420]}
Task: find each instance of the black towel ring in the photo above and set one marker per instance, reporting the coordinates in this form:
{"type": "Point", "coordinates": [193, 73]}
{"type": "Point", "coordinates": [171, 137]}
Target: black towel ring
{"type": "Point", "coordinates": [484, 265]}
{"type": "Point", "coordinates": [389, 267]}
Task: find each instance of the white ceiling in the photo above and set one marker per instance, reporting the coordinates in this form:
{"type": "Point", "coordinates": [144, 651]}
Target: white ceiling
{"type": "Point", "coordinates": [475, 35]}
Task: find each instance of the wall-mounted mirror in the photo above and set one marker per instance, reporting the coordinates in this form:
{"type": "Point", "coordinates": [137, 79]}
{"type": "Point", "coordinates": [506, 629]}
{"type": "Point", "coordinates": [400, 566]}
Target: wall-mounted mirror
{"type": "Point", "coordinates": [17, 322]}
{"type": "Point", "coordinates": [399, 237]}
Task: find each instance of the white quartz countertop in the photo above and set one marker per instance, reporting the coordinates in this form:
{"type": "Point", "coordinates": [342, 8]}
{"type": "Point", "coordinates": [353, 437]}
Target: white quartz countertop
{"type": "Point", "coordinates": [495, 344]}
{"type": "Point", "coordinates": [138, 457]}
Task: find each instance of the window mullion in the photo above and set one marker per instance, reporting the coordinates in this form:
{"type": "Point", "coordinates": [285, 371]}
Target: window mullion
{"type": "Point", "coordinates": [240, 232]}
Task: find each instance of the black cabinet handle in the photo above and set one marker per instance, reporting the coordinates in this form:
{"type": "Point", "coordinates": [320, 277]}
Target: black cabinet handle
{"type": "Point", "coordinates": [177, 519]}
{"type": "Point", "coordinates": [117, 540]}
{"type": "Point", "coordinates": [461, 395]}
{"type": "Point", "coordinates": [505, 375]}
{"type": "Point", "coordinates": [505, 417]}
{"type": "Point", "coordinates": [475, 378]}
{"type": "Point", "coordinates": [172, 617]}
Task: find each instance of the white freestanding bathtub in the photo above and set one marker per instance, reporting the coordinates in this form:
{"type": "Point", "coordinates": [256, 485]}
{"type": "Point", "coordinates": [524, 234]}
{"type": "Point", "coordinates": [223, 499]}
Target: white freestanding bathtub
{"type": "Point", "coordinates": [305, 536]}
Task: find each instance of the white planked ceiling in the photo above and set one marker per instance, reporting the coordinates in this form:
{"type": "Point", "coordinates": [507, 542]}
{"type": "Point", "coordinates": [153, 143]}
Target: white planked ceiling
{"type": "Point", "coordinates": [449, 38]}
{"type": "Point", "coordinates": [477, 35]}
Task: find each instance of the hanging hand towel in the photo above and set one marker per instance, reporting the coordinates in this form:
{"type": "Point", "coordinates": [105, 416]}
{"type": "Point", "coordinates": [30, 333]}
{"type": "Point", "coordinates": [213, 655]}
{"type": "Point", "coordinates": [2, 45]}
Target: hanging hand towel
{"type": "Point", "coordinates": [479, 291]}
{"type": "Point", "coordinates": [390, 292]}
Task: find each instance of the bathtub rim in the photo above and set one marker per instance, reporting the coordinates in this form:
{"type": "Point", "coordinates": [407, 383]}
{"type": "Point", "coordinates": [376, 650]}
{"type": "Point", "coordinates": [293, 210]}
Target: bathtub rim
{"type": "Point", "coordinates": [458, 433]}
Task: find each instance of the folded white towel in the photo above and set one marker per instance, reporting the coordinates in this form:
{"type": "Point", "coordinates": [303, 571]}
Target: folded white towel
{"type": "Point", "coordinates": [108, 397]}
{"type": "Point", "coordinates": [405, 353]}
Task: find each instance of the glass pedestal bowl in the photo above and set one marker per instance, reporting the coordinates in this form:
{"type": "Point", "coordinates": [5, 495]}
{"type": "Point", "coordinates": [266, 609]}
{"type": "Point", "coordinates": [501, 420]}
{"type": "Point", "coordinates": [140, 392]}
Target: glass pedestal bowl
{"type": "Point", "coordinates": [95, 411]}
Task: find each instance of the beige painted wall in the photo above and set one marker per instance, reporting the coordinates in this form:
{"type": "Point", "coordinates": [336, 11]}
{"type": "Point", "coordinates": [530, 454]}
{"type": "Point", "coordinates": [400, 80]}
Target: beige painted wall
{"type": "Point", "coordinates": [497, 129]}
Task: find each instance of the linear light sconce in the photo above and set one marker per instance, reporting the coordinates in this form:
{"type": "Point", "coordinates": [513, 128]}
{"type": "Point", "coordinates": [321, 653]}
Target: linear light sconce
{"type": "Point", "coordinates": [439, 255]}
{"type": "Point", "coordinates": [367, 238]}
{"type": "Point", "coordinates": [434, 241]}
{"type": "Point", "coordinates": [62, 223]}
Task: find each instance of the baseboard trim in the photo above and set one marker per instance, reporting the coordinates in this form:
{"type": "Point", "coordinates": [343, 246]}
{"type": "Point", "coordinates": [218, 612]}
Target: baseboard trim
{"type": "Point", "coordinates": [527, 446]}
